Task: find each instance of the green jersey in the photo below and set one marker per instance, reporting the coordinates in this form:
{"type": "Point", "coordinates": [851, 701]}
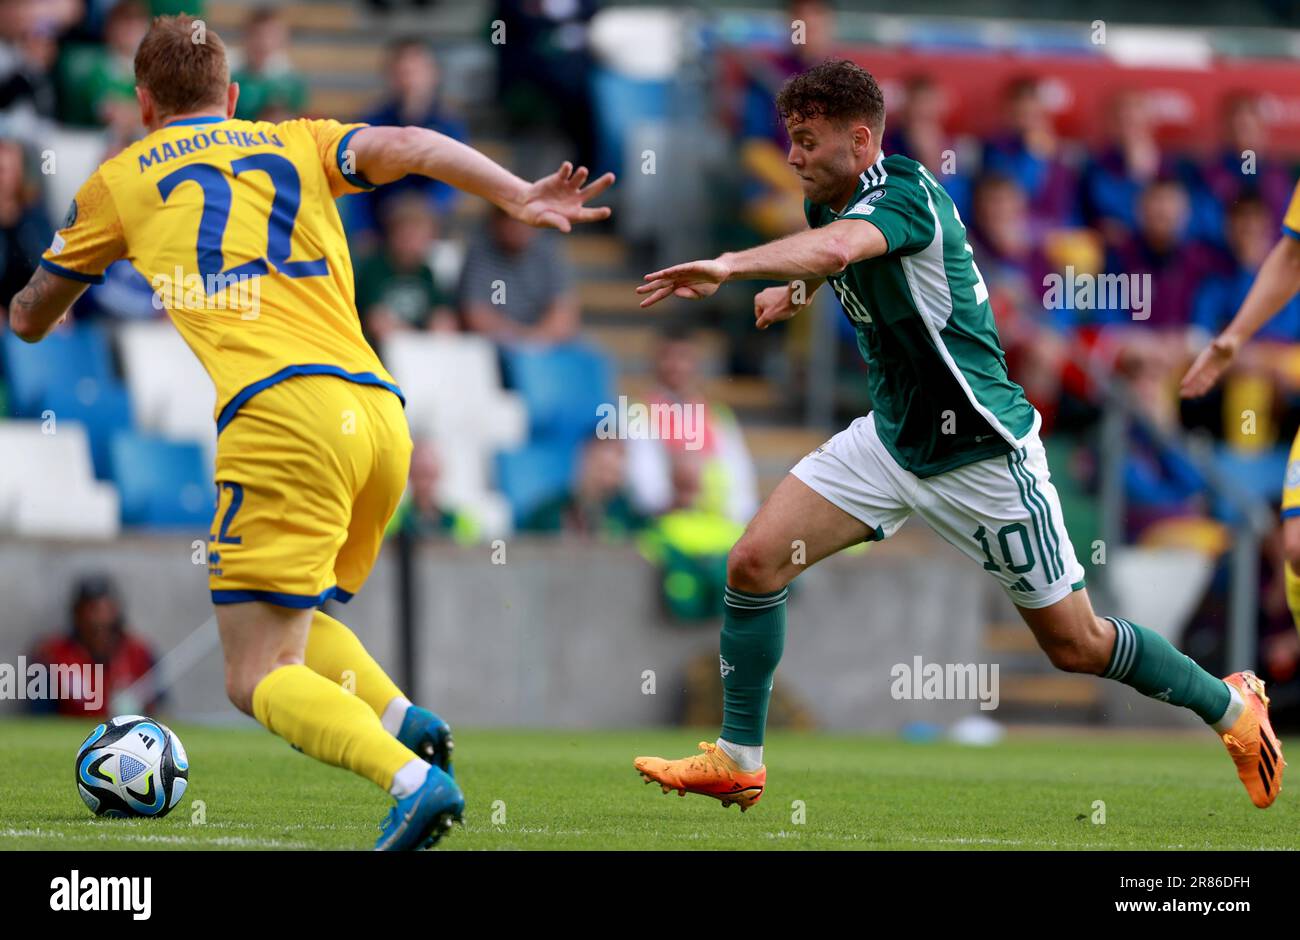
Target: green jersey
{"type": "Point", "coordinates": [935, 367]}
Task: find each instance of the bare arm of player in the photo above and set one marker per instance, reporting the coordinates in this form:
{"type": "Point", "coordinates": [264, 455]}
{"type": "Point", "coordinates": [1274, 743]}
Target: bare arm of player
{"type": "Point", "coordinates": [41, 304]}
{"type": "Point", "coordinates": [804, 256]}
{"type": "Point", "coordinates": [1277, 282]}
{"type": "Point", "coordinates": [781, 303]}
{"type": "Point", "coordinates": [384, 154]}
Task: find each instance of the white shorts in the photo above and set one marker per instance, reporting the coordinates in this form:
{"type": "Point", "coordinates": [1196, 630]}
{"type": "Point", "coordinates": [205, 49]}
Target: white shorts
{"type": "Point", "coordinates": [1003, 512]}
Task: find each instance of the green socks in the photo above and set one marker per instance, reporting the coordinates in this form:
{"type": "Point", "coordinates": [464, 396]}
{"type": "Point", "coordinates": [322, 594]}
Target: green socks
{"type": "Point", "coordinates": [1148, 662]}
{"type": "Point", "coordinates": [753, 636]}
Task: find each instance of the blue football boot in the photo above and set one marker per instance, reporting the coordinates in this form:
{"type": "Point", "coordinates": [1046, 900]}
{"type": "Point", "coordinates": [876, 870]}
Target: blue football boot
{"type": "Point", "coordinates": [428, 736]}
{"type": "Point", "coordinates": [421, 819]}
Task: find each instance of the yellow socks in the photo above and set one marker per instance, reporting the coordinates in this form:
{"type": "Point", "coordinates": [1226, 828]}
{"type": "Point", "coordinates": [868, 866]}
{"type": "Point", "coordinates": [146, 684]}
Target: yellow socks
{"type": "Point", "coordinates": [328, 723]}
{"type": "Point", "coordinates": [335, 652]}
{"type": "Point", "coordinates": [359, 696]}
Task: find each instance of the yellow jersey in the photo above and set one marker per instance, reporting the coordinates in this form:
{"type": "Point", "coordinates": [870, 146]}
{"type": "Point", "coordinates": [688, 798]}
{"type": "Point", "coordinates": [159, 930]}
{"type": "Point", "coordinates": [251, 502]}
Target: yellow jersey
{"type": "Point", "coordinates": [233, 224]}
{"type": "Point", "coordinates": [1291, 221]}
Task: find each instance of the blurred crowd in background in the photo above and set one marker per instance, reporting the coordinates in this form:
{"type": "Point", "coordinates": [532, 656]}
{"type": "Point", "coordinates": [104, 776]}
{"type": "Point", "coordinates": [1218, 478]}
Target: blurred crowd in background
{"type": "Point", "coordinates": [1036, 202]}
{"type": "Point", "coordinates": [420, 268]}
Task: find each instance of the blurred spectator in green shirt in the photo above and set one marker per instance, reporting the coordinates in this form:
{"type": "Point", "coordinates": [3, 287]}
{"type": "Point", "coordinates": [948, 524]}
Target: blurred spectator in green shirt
{"type": "Point", "coordinates": [422, 512]}
{"type": "Point", "coordinates": [396, 290]}
{"type": "Point", "coordinates": [596, 503]}
{"type": "Point", "coordinates": [194, 8]}
{"type": "Point", "coordinates": [97, 83]}
{"type": "Point", "coordinates": [269, 89]}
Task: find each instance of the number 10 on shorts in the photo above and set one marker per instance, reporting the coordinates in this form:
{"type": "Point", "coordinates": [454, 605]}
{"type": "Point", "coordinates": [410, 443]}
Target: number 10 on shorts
{"type": "Point", "coordinates": [1008, 536]}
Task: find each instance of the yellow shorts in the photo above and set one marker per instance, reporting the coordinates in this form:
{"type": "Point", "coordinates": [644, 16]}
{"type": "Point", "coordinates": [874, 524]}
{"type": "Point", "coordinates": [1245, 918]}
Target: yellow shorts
{"type": "Point", "coordinates": [308, 473]}
{"type": "Point", "coordinates": [1291, 483]}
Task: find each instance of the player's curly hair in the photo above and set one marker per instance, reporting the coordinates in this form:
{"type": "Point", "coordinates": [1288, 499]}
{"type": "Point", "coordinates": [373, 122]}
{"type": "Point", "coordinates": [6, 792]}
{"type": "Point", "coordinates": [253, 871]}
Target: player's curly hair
{"type": "Point", "coordinates": [840, 91]}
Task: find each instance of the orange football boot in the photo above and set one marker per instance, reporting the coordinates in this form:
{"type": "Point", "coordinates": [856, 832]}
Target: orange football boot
{"type": "Point", "coordinates": [1251, 743]}
{"type": "Point", "coordinates": [712, 773]}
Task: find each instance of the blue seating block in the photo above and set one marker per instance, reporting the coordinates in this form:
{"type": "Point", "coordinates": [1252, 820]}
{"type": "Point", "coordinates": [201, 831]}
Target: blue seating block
{"type": "Point", "coordinates": [562, 387]}
{"type": "Point", "coordinates": [163, 484]}
{"type": "Point", "coordinates": [535, 474]}
{"type": "Point", "coordinates": [103, 407]}
{"type": "Point", "coordinates": [61, 360]}
{"type": "Point", "coordinates": [1259, 475]}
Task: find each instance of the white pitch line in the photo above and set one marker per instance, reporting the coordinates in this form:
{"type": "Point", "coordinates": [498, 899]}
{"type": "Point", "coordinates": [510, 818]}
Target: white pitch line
{"type": "Point", "coordinates": [29, 833]}
{"type": "Point", "coordinates": [241, 841]}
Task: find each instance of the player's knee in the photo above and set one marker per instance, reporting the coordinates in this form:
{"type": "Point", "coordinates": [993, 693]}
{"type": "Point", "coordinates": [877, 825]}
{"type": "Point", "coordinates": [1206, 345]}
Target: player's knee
{"type": "Point", "coordinates": [1084, 650]}
{"type": "Point", "coordinates": [243, 678]}
{"type": "Point", "coordinates": [239, 689]}
{"type": "Point", "coordinates": [751, 568]}
{"type": "Point", "coordinates": [1069, 656]}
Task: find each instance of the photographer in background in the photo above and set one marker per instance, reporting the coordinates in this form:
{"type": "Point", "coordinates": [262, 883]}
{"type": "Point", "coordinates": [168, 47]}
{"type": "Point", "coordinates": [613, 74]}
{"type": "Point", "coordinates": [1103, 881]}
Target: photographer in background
{"type": "Point", "coordinates": [99, 636]}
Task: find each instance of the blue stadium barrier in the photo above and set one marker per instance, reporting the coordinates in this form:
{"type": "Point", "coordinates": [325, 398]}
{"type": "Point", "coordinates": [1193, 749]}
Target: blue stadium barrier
{"type": "Point", "coordinates": [162, 483]}
{"type": "Point", "coordinates": [620, 102]}
{"type": "Point", "coordinates": [946, 36]}
{"type": "Point", "coordinates": [103, 407]}
{"type": "Point", "coordinates": [60, 360]}
{"type": "Point", "coordinates": [535, 474]}
{"type": "Point", "coordinates": [1257, 474]}
{"type": "Point", "coordinates": [562, 387]}
{"type": "Point", "coordinates": [1054, 39]}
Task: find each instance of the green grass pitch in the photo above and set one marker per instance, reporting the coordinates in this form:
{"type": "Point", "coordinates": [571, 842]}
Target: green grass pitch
{"type": "Point", "coordinates": [577, 790]}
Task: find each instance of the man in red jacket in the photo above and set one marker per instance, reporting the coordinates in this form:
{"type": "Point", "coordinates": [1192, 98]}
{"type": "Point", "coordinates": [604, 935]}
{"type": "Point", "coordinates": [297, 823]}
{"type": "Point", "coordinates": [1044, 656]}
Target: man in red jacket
{"type": "Point", "coordinates": [98, 637]}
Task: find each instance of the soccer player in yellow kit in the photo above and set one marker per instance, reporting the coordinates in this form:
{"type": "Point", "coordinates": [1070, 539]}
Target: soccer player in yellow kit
{"type": "Point", "coordinates": [234, 224]}
{"type": "Point", "coordinates": [1276, 283]}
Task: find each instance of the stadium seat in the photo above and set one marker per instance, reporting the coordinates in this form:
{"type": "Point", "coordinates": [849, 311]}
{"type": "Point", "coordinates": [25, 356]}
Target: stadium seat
{"type": "Point", "coordinates": [535, 474]}
{"type": "Point", "coordinates": [638, 52]}
{"type": "Point", "coordinates": [562, 387]}
{"type": "Point", "coordinates": [171, 394]}
{"type": "Point", "coordinates": [47, 487]}
{"type": "Point", "coordinates": [163, 484]}
{"type": "Point", "coordinates": [103, 408]}
{"type": "Point", "coordinates": [61, 360]}
{"type": "Point", "coordinates": [452, 385]}
{"type": "Point", "coordinates": [454, 397]}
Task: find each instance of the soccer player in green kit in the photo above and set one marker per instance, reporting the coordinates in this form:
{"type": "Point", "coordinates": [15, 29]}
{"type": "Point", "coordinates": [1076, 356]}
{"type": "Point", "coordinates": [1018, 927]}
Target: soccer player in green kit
{"type": "Point", "coordinates": [950, 437]}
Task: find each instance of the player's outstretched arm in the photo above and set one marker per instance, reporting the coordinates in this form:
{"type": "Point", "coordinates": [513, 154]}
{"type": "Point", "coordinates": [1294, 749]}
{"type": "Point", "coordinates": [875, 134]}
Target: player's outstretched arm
{"type": "Point", "coordinates": [41, 304]}
{"type": "Point", "coordinates": [805, 256]}
{"type": "Point", "coordinates": [385, 154]}
{"type": "Point", "coordinates": [1277, 282]}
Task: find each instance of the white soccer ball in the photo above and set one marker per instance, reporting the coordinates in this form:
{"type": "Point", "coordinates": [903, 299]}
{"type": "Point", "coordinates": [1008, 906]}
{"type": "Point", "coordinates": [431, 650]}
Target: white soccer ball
{"type": "Point", "coordinates": [132, 766]}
